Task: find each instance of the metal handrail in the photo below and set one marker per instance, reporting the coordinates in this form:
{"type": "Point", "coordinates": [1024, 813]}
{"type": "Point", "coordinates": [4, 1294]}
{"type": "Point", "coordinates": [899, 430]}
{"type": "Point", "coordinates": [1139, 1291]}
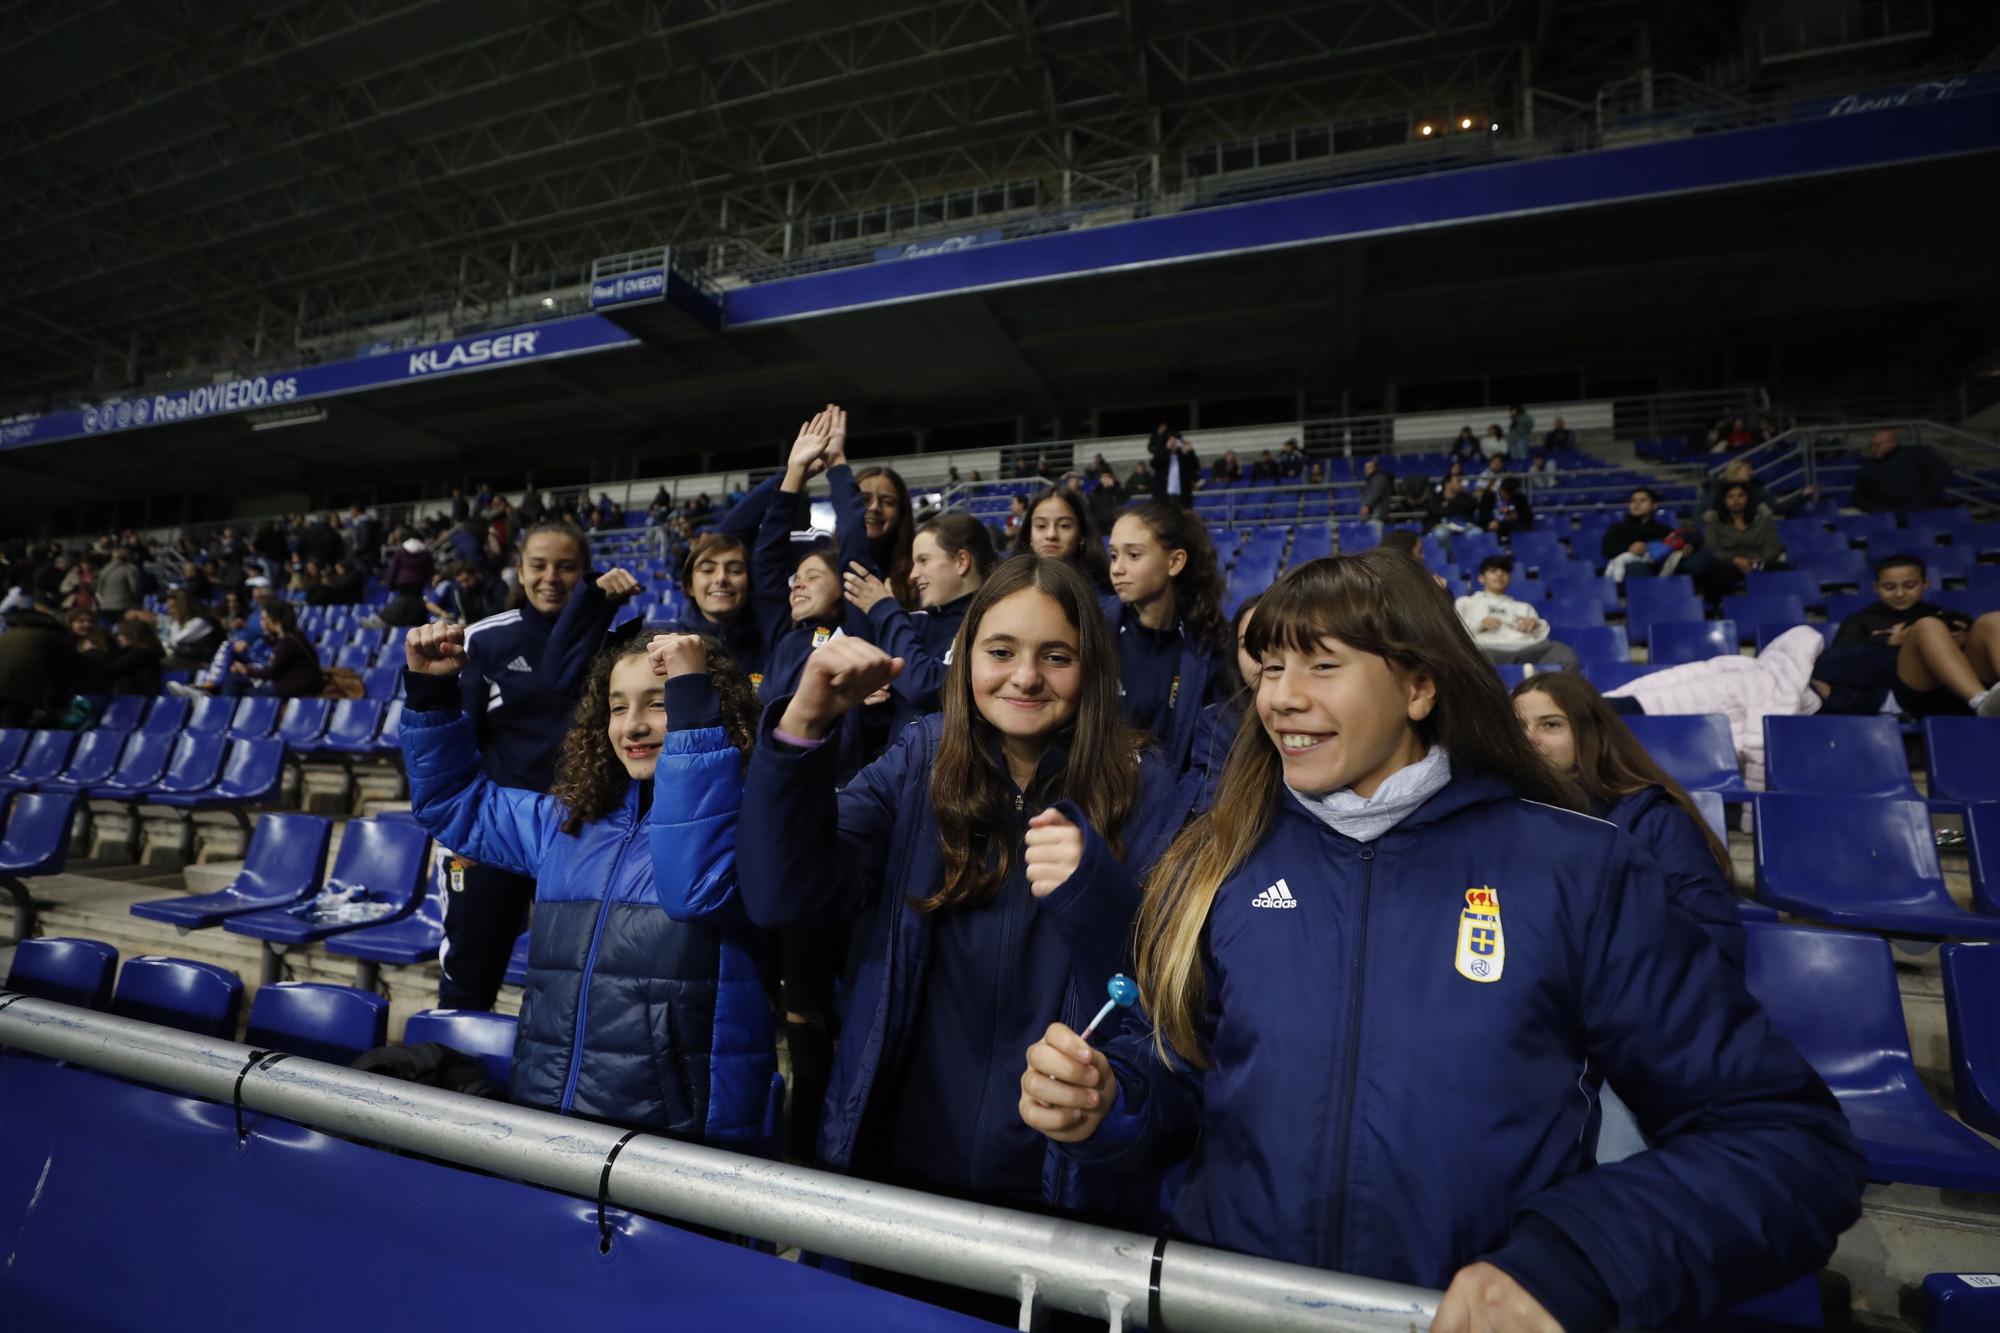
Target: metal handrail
{"type": "Point", "coordinates": [1040, 1261]}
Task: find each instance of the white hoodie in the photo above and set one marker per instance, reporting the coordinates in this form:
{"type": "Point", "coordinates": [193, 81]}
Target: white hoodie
{"type": "Point", "coordinates": [1475, 607]}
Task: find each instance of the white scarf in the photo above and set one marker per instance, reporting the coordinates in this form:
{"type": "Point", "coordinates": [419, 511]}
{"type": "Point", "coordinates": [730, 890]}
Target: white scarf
{"type": "Point", "coordinates": [1366, 818]}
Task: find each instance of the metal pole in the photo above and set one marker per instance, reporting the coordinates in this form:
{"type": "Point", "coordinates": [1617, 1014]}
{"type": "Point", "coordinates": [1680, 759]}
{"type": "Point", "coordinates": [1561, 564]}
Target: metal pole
{"type": "Point", "coordinates": [1089, 1270]}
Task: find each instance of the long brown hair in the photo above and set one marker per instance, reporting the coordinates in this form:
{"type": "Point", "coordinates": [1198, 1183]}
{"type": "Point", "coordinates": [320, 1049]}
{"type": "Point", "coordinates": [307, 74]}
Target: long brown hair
{"type": "Point", "coordinates": [1610, 761]}
{"type": "Point", "coordinates": [970, 788]}
{"type": "Point", "coordinates": [1090, 556]}
{"type": "Point", "coordinates": [1198, 587]}
{"type": "Point", "coordinates": [1379, 602]}
{"type": "Point", "coordinates": [893, 548]}
{"type": "Point", "coordinates": [590, 779]}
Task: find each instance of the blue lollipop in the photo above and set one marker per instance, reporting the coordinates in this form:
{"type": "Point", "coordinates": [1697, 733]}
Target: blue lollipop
{"type": "Point", "coordinates": [1123, 992]}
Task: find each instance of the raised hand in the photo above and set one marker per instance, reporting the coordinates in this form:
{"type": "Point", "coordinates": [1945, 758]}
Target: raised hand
{"type": "Point", "coordinates": [1484, 1299]}
{"type": "Point", "coordinates": [837, 677]}
{"type": "Point", "coordinates": [808, 457]}
{"type": "Point", "coordinates": [1055, 849]}
{"type": "Point", "coordinates": [1067, 1087]}
{"type": "Point", "coordinates": [863, 588]}
{"type": "Point", "coordinates": [673, 655]}
{"type": "Point", "coordinates": [435, 650]}
{"type": "Point", "coordinates": [617, 584]}
{"type": "Point", "coordinates": [836, 435]}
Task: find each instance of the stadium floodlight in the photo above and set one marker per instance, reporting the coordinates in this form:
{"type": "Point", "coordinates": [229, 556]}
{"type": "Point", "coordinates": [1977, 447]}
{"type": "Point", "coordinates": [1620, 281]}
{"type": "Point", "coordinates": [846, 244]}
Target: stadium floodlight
{"type": "Point", "coordinates": [1465, 123]}
{"type": "Point", "coordinates": [1495, 127]}
{"type": "Point", "coordinates": [1426, 130]}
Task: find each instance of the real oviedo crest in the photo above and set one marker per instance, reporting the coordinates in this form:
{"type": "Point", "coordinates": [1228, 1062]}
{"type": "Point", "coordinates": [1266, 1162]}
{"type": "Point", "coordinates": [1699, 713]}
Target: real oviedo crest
{"type": "Point", "coordinates": [1482, 949]}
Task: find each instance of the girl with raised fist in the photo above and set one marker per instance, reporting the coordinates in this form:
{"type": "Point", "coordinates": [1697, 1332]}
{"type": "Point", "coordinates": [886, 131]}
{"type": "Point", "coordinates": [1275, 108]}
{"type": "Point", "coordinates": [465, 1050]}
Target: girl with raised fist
{"type": "Point", "coordinates": [980, 868]}
{"type": "Point", "coordinates": [644, 1004]}
{"type": "Point", "coordinates": [1388, 974]}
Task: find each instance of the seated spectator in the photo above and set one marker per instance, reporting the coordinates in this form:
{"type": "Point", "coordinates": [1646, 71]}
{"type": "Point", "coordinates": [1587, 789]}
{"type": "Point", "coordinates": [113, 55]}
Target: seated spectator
{"type": "Point", "coordinates": [1465, 448]}
{"type": "Point", "coordinates": [1316, 473]}
{"type": "Point", "coordinates": [1936, 662]}
{"type": "Point", "coordinates": [1376, 486]}
{"type": "Point", "coordinates": [1636, 541]}
{"type": "Point", "coordinates": [1738, 538]}
{"type": "Point", "coordinates": [37, 665]}
{"type": "Point", "coordinates": [1226, 468]}
{"type": "Point", "coordinates": [1495, 443]}
{"type": "Point", "coordinates": [1490, 476]}
{"type": "Point", "coordinates": [1017, 514]}
{"type": "Point", "coordinates": [1413, 498]}
{"type": "Point", "coordinates": [1455, 509]}
{"type": "Point", "coordinates": [1541, 471]}
{"type": "Point", "coordinates": [135, 660]}
{"type": "Point", "coordinates": [1506, 511]}
{"type": "Point", "coordinates": [1139, 481]}
{"type": "Point", "coordinates": [343, 586]}
{"type": "Point", "coordinates": [193, 631]}
{"type": "Point", "coordinates": [293, 670]}
{"type": "Point", "coordinates": [1896, 477]}
{"type": "Point", "coordinates": [1106, 500]}
{"type": "Point", "coordinates": [1265, 468]}
{"type": "Point", "coordinates": [1559, 439]}
{"type": "Point", "coordinates": [1504, 629]}
{"type": "Point", "coordinates": [1291, 463]}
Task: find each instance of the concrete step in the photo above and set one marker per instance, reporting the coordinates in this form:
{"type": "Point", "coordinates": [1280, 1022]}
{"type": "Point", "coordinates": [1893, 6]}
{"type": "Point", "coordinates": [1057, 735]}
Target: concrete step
{"type": "Point", "coordinates": [1906, 1232]}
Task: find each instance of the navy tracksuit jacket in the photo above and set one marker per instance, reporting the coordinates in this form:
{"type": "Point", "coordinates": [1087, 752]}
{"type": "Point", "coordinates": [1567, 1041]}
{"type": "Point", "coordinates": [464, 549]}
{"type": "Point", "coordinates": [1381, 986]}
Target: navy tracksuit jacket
{"type": "Point", "coordinates": [1406, 1041]}
{"type": "Point", "coordinates": [1694, 880]}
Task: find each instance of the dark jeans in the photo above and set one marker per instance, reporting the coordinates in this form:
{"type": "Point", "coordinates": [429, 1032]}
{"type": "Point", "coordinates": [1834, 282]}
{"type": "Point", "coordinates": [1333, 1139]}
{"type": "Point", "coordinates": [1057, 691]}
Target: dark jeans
{"type": "Point", "coordinates": [484, 913]}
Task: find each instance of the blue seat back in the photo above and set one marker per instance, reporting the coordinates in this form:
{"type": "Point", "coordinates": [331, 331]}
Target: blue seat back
{"type": "Point", "coordinates": [385, 856]}
{"type": "Point", "coordinates": [94, 759]}
{"type": "Point", "coordinates": [381, 683]}
{"type": "Point", "coordinates": [303, 721]}
{"type": "Point", "coordinates": [354, 658]}
{"type": "Point", "coordinates": [180, 993]}
{"type": "Point", "coordinates": [122, 712]}
{"type": "Point", "coordinates": [1608, 675]}
{"type": "Point", "coordinates": [67, 971]}
{"type": "Point", "coordinates": [391, 736]}
{"type": "Point", "coordinates": [1963, 758]}
{"type": "Point", "coordinates": [1971, 1001]}
{"type": "Point", "coordinates": [488, 1038]}
{"type": "Point", "coordinates": [168, 713]}
{"type": "Point", "coordinates": [210, 713]}
{"type": "Point", "coordinates": [255, 715]}
{"type": "Point", "coordinates": [13, 740]}
{"type": "Point", "coordinates": [1982, 842]}
{"type": "Point", "coordinates": [1858, 1045]}
{"type": "Point", "coordinates": [44, 755]}
{"type": "Point", "coordinates": [253, 769]}
{"type": "Point", "coordinates": [144, 760]}
{"type": "Point", "coordinates": [1595, 643]}
{"type": "Point", "coordinates": [1752, 609]}
{"type": "Point", "coordinates": [1961, 1302]}
{"type": "Point", "coordinates": [1854, 755]}
{"type": "Point", "coordinates": [318, 1021]}
{"type": "Point", "coordinates": [1678, 641]}
{"type": "Point", "coordinates": [1696, 749]}
{"type": "Point", "coordinates": [1778, 583]}
{"type": "Point", "coordinates": [37, 836]}
{"type": "Point", "coordinates": [1570, 613]}
{"type": "Point", "coordinates": [354, 722]}
{"type": "Point", "coordinates": [286, 858]}
{"type": "Point", "coordinates": [195, 765]}
{"type": "Point", "coordinates": [1850, 854]}
{"type": "Point", "coordinates": [1712, 813]}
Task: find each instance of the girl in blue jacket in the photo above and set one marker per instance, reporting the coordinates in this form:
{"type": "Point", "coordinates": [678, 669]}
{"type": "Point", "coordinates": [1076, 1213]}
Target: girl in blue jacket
{"type": "Point", "coordinates": [1389, 971]}
{"type": "Point", "coordinates": [1173, 640]}
{"type": "Point", "coordinates": [1578, 735]}
{"type": "Point", "coordinates": [643, 1004]}
{"type": "Point", "coordinates": [979, 870]}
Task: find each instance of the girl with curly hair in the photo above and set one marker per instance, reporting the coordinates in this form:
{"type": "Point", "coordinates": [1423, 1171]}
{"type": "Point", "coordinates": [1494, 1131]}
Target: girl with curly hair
{"type": "Point", "coordinates": [1174, 643]}
{"type": "Point", "coordinates": [644, 1003]}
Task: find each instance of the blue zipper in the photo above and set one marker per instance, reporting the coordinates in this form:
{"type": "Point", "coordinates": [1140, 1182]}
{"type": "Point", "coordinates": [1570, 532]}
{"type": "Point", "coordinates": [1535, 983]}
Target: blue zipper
{"type": "Point", "coordinates": [1332, 1258]}
{"type": "Point", "coordinates": [590, 967]}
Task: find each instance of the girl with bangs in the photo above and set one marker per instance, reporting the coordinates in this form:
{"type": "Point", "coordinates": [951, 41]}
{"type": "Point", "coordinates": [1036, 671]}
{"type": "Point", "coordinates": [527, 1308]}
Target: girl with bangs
{"type": "Point", "coordinates": [1389, 973]}
{"type": "Point", "coordinates": [980, 870]}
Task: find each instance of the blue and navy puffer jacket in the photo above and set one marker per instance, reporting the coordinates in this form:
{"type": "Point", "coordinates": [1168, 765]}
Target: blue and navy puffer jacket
{"type": "Point", "coordinates": [643, 1006]}
{"type": "Point", "coordinates": [1406, 1039]}
{"type": "Point", "coordinates": [1694, 877]}
{"type": "Point", "coordinates": [1198, 683]}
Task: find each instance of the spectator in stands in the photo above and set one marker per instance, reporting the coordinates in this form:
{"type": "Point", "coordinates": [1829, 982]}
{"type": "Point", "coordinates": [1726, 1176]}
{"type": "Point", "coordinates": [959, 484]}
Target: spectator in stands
{"type": "Point", "coordinates": [1896, 477]}
{"type": "Point", "coordinates": [364, 538]}
{"type": "Point", "coordinates": [1411, 543]}
{"type": "Point", "coordinates": [320, 541]}
{"type": "Point", "coordinates": [1059, 527]}
{"type": "Point", "coordinates": [343, 585]}
{"type": "Point", "coordinates": [1495, 443]}
{"type": "Point", "coordinates": [1225, 469]}
{"type": "Point", "coordinates": [1220, 720]}
{"type": "Point", "coordinates": [85, 633]}
{"type": "Point", "coordinates": [1738, 538]}
{"type": "Point", "coordinates": [643, 1004]}
{"type": "Point", "coordinates": [1541, 471]}
{"type": "Point", "coordinates": [1391, 780]}
{"type": "Point", "coordinates": [118, 589]}
{"type": "Point", "coordinates": [411, 568]}
{"type": "Point", "coordinates": [978, 867]}
{"type": "Point", "coordinates": [467, 596]}
{"type": "Point", "coordinates": [1637, 540]}
{"type": "Point", "coordinates": [1520, 433]}
{"type": "Point", "coordinates": [136, 659]}
{"type": "Point", "coordinates": [1265, 469]}
{"type": "Point", "coordinates": [195, 579]}
{"type": "Point", "coordinates": [1491, 475]}
{"type": "Point", "coordinates": [1107, 500]}
{"type": "Point", "coordinates": [1140, 480]}
{"type": "Point", "coordinates": [1507, 630]}
{"type": "Point", "coordinates": [1171, 634]}
{"type": "Point", "coordinates": [1560, 439]}
{"type": "Point", "coordinates": [951, 557]}
{"type": "Point", "coordinates": [891, 524]}
{"type": "Point", "coordinates": [1465, 449]}
{"type": "Point", "coordinates": [715, 574]}
{"type": "Point", "coordinates": [193, 630]}
{"type": "Point", "coordinates": [1291, 463]}
{"type": "Point", "coordinates": [1455, 509]}
{"type": "Point", "coordinates": [270, 545]}
{"type": "Point", "coordinates": [1017, 516]}
{"type": "Point", "coordinates": [523, 672]}
{"type": "Point", "coordinates": [1936, 662]}
{"type": "Point", "coordinates": [1376, 486]}
{"type": "Point", "coordinates": [533, 508]}
{"type": "Point", "coordinates": [292, 671]}
{"type": "Point", "coordinates": [1505, 510]}
{"type": "Point", "coordinates": [1414, 498]}
{"type": "Point", "coordinates": [1176, 471]}
{"type": "Point", "coordinates": [37, 665]}
{"type": "Point", "coordinates": [1583, 738]}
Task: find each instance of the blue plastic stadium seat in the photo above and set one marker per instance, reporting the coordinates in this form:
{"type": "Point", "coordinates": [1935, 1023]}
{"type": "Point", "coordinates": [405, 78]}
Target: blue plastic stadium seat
{"type": "Point", "coordinates": [168, 713]}
{"type": "Point", "coordinates": [194, 767]}
{"type": "Point", "coordinates": [210, 713]}
{"type": "Point", "coordinates": [1749, 610]}
{"type": "Point", "coordinates": [37, 838]}
{"type": "Point", "coordinates": [1713, 812]}
{"type": "Point", "coordinates": [1859, 861]}
{"type": "Point", "coordinates": [488, 1038]}
{"type": "Point", "coordinates": [384, 682]}
{"type": "Point", "coordinates": [387, 857]}
{"type": "Point", "coordinates": [405, 941]}
{"type": "Point", "coordinates": [180, 993]}
{"type": "Point", "coordinates": [303, 721]}
{"type": "Point", "coordinates": [1778, 583]}
{"type": "Point", "coordinates": [1571, 613]}
{"type": "Point", "coordinates": [1678, 641]}
{"type": "Point", "coordinates": [140, 765]}
{"type": "Point", "coordinates": [251, 775]}
{"type": "Point", "coordinates": [67, 971]}
{"type": "Point", "coordinates": [321, 1022]}
{"type": "Point", "coordinates": [1595, 643]}
{"type": "Point", "coordinates": [1696, 749]}
{"type": "Point", "coordinates": [93, 761]}
{"type": "Point", "coordinates": [1860, 756]}
{"type": "Point", "coordinates": [1961, 1302]}
{"type": "Point", "coordinates": [1963, 759]}
{"type": "Point", "coordinates": [1971, 1001]}
{"type": "Point", "coordinates": [1837, 569]}
{"type": "Point", "coordinates": [43, 757]}
{"type": "Point", "coordinates": [352, 726]}
{"type": "Point", "coordinates": [1862, 1049]}
{"type": "Point", "coordinates": [390, 739]}
{"type": "Point", "coordinates": [13, 740]}
{"type": "Point", "coordinates": [1792, 1306]}
{"type": "Point", "coordinates": [1608, 676]}
{"type": "Point", "coordinates": [517, 962]}
{"type": "Point", "coordinates": [354, 658]}
{"type": "Point", "coordinates": [121, 712]}
{"type": "Point", "coordinates": [1982, 843]}
{"type": "Point", "coordinates": [284, 864]}
{"type": "Point", "coordinates": [1642, 613]}
{"type": "Point", "coordinates": [255, 717]}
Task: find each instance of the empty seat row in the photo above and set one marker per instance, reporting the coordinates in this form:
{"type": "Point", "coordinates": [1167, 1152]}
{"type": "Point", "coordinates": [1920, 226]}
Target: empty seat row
{"type": "Point", "coordinates": [187, 769]}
